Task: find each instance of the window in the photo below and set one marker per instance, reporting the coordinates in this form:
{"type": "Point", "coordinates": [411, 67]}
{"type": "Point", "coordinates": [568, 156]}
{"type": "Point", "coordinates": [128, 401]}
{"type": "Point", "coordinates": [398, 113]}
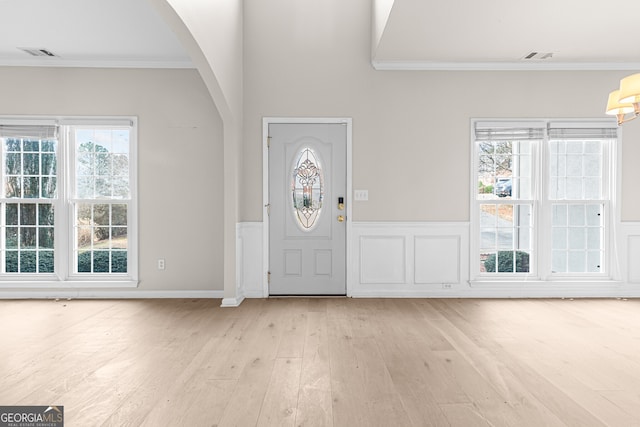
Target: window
{"type": "Point", "coordinates": [542, 198]}
{"type": "Point", "coordinates": [67, 201]}
{"type": "Point", "coordinates": [307, 189]}
{"type": "Point", "coordinates": [102, 194]}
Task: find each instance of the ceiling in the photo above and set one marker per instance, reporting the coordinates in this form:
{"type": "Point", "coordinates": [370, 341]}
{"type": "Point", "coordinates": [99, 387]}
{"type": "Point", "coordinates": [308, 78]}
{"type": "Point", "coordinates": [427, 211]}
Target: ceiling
{"type": "Point", "coordinates": [408, 34]}
{"type": "Point", "coordinates": [94, 33]}
{"type": "Point", "coordinates": [498, 34]}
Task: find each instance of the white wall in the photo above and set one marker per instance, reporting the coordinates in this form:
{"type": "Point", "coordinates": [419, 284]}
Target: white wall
{"type": "Point", "coordinates": [212, 32]}
{"type": "Point", "coordinates": [216, 26]}
{"type": "Point", "coordinates": [179, 154]}
{"type": "Point", "coordinates": [410, 129]}
{"type": "Point", "coordinates": [302, 58]}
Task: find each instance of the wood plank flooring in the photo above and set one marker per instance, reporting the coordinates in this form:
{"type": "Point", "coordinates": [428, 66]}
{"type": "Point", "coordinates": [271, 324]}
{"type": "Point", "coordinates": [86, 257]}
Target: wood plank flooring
{"type": "Point", "coordinates": [325, 362]}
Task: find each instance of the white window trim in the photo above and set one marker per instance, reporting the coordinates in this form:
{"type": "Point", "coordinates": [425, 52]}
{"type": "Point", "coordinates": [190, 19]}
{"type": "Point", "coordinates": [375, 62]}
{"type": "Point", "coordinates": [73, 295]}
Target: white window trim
{"type": "Point", "coordinates": [540, 267]}
{"type": "Point", "coordinates": [64, 278]}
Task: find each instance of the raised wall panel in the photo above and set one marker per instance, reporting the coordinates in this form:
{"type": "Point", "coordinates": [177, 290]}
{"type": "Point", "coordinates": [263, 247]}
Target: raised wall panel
{"type": "Point", "coordinates": [382, 259]}
{"type": "Point", "coordinates": [632, 259]}
{"type": "Point", "coordinates": [408, 259]}
{"type": "Point", "coordinates": [251, 272]}
{"type": "Point", "coordinates": [437, 259]}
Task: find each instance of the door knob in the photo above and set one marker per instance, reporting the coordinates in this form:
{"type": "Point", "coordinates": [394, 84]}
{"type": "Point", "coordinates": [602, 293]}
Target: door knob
{"type": "Point", "coordinates": [340, 218]}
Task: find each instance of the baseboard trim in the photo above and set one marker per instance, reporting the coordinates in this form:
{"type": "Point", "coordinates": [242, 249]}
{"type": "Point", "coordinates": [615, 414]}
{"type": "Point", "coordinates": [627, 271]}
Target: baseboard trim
{"type": "Point", "coordinates": [107, 294]}
{"type": "Point", "coordinates": [255, 294]}
{"type": "Point", "coordinates": [232, 302]}
{"type": "Point", "coordinates": [540, 289]}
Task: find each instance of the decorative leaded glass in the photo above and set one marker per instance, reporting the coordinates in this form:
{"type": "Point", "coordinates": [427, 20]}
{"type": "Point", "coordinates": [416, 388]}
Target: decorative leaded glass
{"type": "Point", "coordinates": [307, 189]}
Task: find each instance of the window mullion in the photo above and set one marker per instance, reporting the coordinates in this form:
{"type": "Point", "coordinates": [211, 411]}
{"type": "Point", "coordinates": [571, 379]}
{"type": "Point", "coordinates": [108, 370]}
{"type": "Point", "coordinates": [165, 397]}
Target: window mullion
{"type": "Point", "coordinates": [62, 209]}
{"type": "Point", "coordinates": [543, 208]}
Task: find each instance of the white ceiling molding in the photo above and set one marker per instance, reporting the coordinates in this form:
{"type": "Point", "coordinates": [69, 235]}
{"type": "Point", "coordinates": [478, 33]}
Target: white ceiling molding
{"type": "Point", "coordinates": [502, 66]}
{"type": "Point", "coordinates": [50, 62]}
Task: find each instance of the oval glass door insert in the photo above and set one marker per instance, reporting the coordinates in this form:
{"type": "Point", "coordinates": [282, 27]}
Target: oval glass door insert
{"type": "Point", "coordinates": [307, 189]}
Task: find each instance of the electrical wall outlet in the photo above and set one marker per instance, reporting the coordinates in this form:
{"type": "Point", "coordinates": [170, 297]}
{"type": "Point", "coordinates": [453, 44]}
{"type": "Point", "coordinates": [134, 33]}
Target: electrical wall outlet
{"type": "Point", "coordinates": [446, 286]}
{"type": "Point", "coordinates": [161, 264]}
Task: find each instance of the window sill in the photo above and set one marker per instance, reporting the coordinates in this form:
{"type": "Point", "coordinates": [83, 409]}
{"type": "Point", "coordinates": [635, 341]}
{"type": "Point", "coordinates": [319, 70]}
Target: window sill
{"type": "Point", "coordinates": [535, 282]}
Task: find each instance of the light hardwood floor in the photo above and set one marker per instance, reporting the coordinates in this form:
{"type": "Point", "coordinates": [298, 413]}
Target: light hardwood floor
{"type": "Point", "coordinates": [325, 362]}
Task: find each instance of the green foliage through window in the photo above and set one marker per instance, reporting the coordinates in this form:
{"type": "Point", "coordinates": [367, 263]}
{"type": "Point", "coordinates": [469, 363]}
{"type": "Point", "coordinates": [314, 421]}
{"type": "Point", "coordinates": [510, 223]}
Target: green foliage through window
{"type": "Point", "coordinates": [99, 262]}
{"type": "Point", "coordinates": [505, 262]}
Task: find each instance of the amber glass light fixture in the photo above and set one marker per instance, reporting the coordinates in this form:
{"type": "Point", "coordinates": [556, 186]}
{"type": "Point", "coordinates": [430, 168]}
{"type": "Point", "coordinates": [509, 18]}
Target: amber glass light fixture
{"type": "Point", "coordinates": [624, 103]}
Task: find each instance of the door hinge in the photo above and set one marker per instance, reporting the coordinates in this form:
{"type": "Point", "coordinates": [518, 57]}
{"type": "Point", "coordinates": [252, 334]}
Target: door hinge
{"type": "Point", "coordinates": [268, 277]}
{"type": "Point", "coordinates": [268, 206]}
{"type": "Point", "coordinates": [268, 142]}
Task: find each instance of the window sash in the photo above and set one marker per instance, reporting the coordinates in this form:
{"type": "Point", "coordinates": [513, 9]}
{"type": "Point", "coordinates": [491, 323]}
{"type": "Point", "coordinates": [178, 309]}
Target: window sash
{"type": "Point", "coordinates": [506, 231]}
{"type": "Point", "coordinates": [509, 166]}
{"type": "Point", "coordinates": [28, 241]}
{"type": "Point", "coordinates": [107, 265]}
{"type": "Point", "coordinates": [578, 236]}
{"type": "Point", "coordinates": [94, 174]}
{"type": "Point", "coordinates": [33, 167]}
{"type": "Point", "coordinates": [100, 236]}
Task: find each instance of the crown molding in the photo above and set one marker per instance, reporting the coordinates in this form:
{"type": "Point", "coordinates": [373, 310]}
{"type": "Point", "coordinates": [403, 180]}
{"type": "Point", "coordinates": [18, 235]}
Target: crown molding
{"type": "Point", "coordinates": [118, 63]}
{"type": "Point", "coordinates": [503, 66]}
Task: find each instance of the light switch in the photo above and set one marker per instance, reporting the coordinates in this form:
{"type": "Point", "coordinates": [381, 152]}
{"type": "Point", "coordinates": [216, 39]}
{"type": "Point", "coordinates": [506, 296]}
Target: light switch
{"type": "Point", "coordinates": [361, 195]}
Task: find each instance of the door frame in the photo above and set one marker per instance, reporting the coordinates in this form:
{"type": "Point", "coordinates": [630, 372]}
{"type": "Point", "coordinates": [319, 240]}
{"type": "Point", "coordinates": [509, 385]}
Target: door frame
{"type": "Point", "coordinates": [266, 121]}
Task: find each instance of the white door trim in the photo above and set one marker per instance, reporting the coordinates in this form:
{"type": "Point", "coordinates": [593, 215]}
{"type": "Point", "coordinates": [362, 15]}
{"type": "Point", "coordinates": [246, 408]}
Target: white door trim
{"type": "Point", "coordinates": [266, 121]}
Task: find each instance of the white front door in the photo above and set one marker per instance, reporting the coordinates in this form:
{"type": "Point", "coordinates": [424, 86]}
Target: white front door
{"type": "Point", "coordinates": [307, 198]}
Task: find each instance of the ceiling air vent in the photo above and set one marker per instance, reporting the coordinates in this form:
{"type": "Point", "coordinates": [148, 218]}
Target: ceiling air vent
{"type": "Point", "coordinates": [537, 56]}
{"type": "Point", "coordinates": [34, 51]}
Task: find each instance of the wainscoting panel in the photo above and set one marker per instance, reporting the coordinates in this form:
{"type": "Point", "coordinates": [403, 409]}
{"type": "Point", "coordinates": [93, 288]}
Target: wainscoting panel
{"type": "Point", "coordinates": [634, 254]}
{"type": "Point", "coordinates": [437, 259]}
{"type": "Point", "coordinates": [630, 256]}
{"type": "Point", "coordinates": [431, 259]}
{"type": "Point", "coordinates": [382, 259]}
{"type": "Point", "coordinates": [250, 269]}
{"type": "Point", "coordinates": [408, 259]}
